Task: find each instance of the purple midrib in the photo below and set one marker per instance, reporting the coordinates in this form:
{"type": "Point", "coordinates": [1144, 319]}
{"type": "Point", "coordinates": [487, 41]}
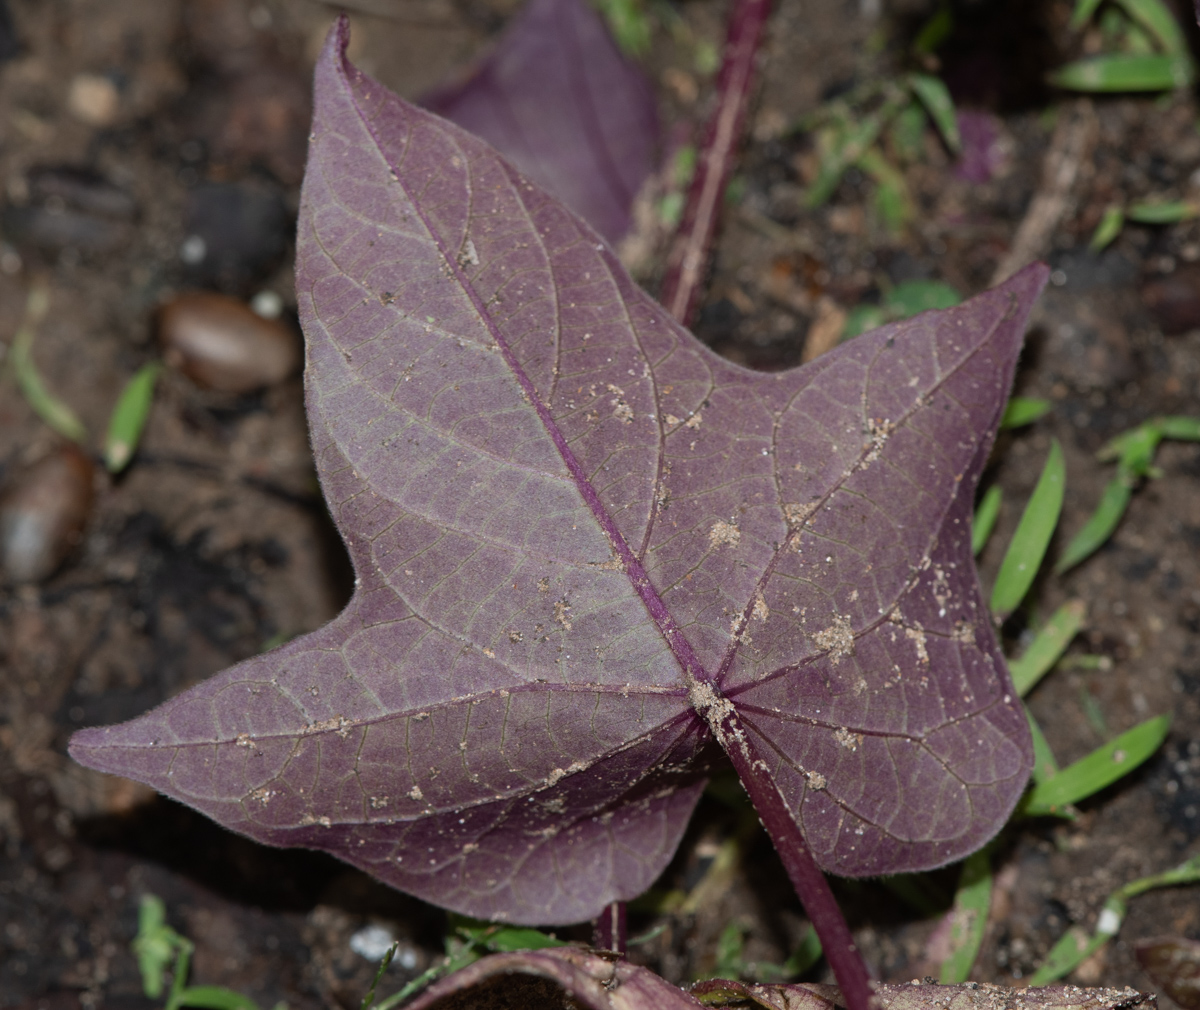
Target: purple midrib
{"type": "Point", "coordinates": [680, 647]}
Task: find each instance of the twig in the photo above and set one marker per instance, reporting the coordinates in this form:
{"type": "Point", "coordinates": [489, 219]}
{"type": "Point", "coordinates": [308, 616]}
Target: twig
{"type": "Point", "coordinates": [688, 259]}
{"type": "Point", "coordinates": [1070, 147]}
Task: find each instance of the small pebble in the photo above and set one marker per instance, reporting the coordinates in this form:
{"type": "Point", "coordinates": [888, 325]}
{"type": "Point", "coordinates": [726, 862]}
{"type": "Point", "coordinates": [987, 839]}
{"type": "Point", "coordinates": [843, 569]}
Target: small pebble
{"type": "Point", "coordinates": [1174, 299]}
{"type": "Point", "coordinates": [43, 513]}
{"type": "Point", "coordinates": [93, 99]}
{"type": "Point", "coordinates": [222, 344]}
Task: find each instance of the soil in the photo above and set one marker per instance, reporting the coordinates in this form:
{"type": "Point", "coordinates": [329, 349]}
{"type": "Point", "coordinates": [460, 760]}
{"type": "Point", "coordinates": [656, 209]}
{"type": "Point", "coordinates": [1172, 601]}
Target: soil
{"type": "Point", "coordinates": [215, 542]}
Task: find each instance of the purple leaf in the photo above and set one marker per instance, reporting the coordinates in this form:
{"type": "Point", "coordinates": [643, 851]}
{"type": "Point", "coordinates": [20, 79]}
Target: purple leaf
{"type": "Point", "coordinates": [557, 98]}
{"type": "Point", "coordinates": [1174, 964]}
{"type": "Point", "coordinates": [594, 982]}
{"type": "Point", "coordinates": [921, 996]}
{"type": "Point", "coordinates": [599, 983]}
{"type": "Point", "coordinates": [579, 536]}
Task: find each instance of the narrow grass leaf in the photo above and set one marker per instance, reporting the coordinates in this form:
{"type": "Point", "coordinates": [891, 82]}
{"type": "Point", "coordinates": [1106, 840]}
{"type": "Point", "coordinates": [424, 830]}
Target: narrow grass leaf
{"type": "Point", "coordinates": [1023, 410]}
{"type": "Point", "coordinates": [1184, 428]}
{"type": "Point", "coordinates": [893, 203]}
{"type": "Point", "coordinates": [1050, 643]}
{"type": "Point", "coordinates": [384, 962]}
{"type": "Point", "coordinates": [985, 518]}
{"type": "Point", "coordinates": [936, 98]}
{"type": "Point", "coordinates": [1072, 948]}
{"type": "Point", "coordinates": [1163, 211]}
{"type": "Point", "coordinates": [1075, 946]}
{"type": "Point", "coordinates": [1029, 543]}
{"type": "Point", "coordinates": [1156, 18]}
{"type": "Point", "coordinates": [908, 131]}
{"type": "Point", "coordinates": [628, 23]}
{"type": "Point", "coordinates": [1100, 524]}
{"type": "Point", "coordinates": [1135, 447]}
{"type": "Point", "coordinates": [129, 418]}
{"type": "Point", "coordinates": [971, 904]}
{"type": "Point", "coordinates": [1101, 768]}
{"type": "Point", "coordinates": [213, 997]}
{"type": "Point", "coordinates": [1108, 229]}
{"type": "Point", "coordinates": [1045, 767]}
{"type": "Point", "coordinates": [910, 297]}
{"type": "Point", "coordinates": [1082, 14]}
{"type": "Point", "coordinates": [1125, 72]}
{"type": "Point", "coordinates": [807, 953]}
{"type": "Point", "coordinates": [48, 407]}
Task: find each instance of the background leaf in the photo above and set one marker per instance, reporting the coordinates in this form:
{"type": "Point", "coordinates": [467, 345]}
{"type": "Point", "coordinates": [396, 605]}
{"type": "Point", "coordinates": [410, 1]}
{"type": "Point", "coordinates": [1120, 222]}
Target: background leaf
{"type": "Point", "coordinates": [559, 100]}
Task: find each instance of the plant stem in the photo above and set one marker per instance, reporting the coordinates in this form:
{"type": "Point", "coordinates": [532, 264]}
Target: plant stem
{"type": "Point", "coordinates": [688, 259]}
{"type": "Point", "coordinates": [609, 929]}
{"type": "Point", "coordinates": [807, 878]}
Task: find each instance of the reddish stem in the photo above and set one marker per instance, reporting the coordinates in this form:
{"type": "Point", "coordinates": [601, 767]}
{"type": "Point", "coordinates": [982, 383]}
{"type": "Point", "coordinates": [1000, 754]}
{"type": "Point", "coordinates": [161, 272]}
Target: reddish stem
{"type": "Point", "coordinates": [837, 943]}
{"type": "Point", "coordinates": [688, 259]}
{"type": "Point", "coordinates": [609, 931]}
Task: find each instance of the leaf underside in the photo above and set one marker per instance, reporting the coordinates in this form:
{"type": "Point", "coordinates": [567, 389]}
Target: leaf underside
{"type": "Point", "coordinates": [558, 99]}
{"type": "Point", "coordinates": [562, 509]}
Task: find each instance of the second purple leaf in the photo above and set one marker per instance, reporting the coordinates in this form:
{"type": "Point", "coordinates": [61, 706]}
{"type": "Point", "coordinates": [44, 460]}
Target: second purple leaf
{"type": "Point", "coordinates": [558, 99]}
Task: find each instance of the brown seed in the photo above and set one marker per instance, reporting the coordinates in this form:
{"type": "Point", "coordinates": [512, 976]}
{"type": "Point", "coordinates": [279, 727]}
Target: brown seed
{"type": "Point", "coordinates": [1174, 300]}
{"type": "Point", "coordinates": [220, 343]}
{"type": "Point", "coordinates": [43, 513]}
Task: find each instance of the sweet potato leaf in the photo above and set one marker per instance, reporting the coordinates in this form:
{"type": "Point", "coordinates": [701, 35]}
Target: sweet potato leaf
{"type": "Point", "coordinates": [558, 99]}
{"type": "Point", "coordinates": [599, 983]}
{"type": "Point", "coordinates": [585, 546]}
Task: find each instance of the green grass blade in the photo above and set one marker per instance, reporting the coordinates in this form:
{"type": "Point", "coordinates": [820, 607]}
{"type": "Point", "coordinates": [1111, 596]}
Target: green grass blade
{"type": "Point", "coordinates": [129, 418]}
{"type": "Point", "coordinates": [1100, 524]}
{"type": "Point", "coordinates": [1108, 229]}
{"type": "Point", "coordinates": [48, 407]}
{"type": "Point", "coordinates": [843, 145]}
{"type": "Point", "coordinates": [1072, 948]}
{"type": "Point", "coordinates": [985, 518]}
{"type": "Point", "coordinates": [384, 962]}
{"type": "Point", "coordinates": [908, 131]}
{"type": "Point", "coordinates": [214, 997]}
{"type": "Point", "coordinates": [910, 297]}
{"type": "Point", "coordinates": [1023, 410]}
{"type": "Point", "coordinates": [1156, 18]}
{"type": "Point", "coordinates": [1135, 447]}
{"type": "Point", "coordinates": [1099, 769]}
{"type": "Point", "coordinates": [1082, 14]}
{"type": "Point", "coordinates": [892, 200]}
{"type": "Point", "coordinates": [1050, 643]}
{"type": "Point", "coordinates": [1125, 72]}
{"type": "Point", "coordinates": [970, 913]}
{"type": "Point", "coordinates": [806, 954]}
{"type": "Point", "coordinates": [1163, 212]}
{"type": "Point", "coordinates": [1187, 872]}
{"type": "Point", "coordinates": [1029, 543]}
{"type": "Point", "coordinates": [510, 938]}
{"type": "Point", "coordinates": [1044, 765]}
{"type": "Point", "coordinates": [937, 101]}
{"type": "Point", "coordinates": [628, 23]}
{"type": "Point", "coordinates": [1184, 428]}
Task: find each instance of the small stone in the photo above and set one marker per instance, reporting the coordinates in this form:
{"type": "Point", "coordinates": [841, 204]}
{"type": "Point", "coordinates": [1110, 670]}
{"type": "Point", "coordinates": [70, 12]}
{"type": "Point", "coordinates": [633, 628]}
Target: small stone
{"type": "Point", "coordinates": [93, 99]}
{"type": "Point", "coordinates": [1174, 299]}
{"type": "Point", "coordinates": [43, 514]}
{"type": "Point", "coordinates": [220, 343]}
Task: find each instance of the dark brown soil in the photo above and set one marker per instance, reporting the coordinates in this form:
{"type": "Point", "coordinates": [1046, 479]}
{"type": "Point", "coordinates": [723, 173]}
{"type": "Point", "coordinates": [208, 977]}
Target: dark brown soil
{"type": "Point", "coordinates": [215, 542]}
